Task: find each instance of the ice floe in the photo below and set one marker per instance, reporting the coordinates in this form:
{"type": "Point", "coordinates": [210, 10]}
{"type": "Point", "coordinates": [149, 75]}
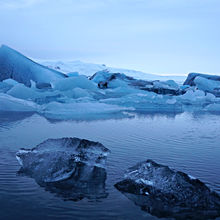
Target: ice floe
{"type": "Point", "coordinates": [165, 192]}
{"type": "Point", "coordinates": [107, 93]}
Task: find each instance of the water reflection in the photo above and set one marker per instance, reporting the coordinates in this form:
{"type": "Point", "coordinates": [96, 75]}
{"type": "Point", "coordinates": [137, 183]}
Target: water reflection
{"type": "Point", "coordinates": [9, 119]}
{"type": "Point", "coordinates": [85, 182]}
{"type": "Point", "coordinates": [160, 209]}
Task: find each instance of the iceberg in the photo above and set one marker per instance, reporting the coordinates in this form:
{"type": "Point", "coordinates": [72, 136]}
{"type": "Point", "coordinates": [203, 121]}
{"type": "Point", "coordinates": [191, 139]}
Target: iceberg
{"type": "Point", "coordinates": [168, 87]}
{"type": "Point", "coordinates": [208, 85]}
{"type": "Point", "coordinates": [83, 111]}
{"type": "Point", "coordinates": [31, 93]}
{"type": "Point", "coordinates": [74, 82]}
{"type": "Point", "coordinates": [14, 65]}
{"type": "Point", "coordinates": [205, 82]}
{"type": "Point", "coordinates": [4, 87]}
{"type": "Point", "coordinates": [107, 93]}
{"type": "Point", "coordinates": [10, 82]}
{"type": "Point", "coordinates": [146, 102]}
{"type": "Point", "coordinates": [11, 104]}
{"type": "Point", "coordinates": [197, 98]}
{"type": "Point", "coordinates": [215, 108]}
{"type": "Point", "coordinates": [105, 80]}
{"type": "Point", "coordinates": [191, 77]}
{"type": "Point", "coordinates": [59, 159]}
{"type": "Point", "coordinates": [165, 192]}
{"type": "Point", "coordinates": [72, 168]}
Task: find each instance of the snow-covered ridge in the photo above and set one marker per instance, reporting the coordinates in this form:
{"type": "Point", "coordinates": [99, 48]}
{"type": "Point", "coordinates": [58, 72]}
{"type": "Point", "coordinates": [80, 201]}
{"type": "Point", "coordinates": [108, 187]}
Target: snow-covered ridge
{"type": "Point", "coordinates": [89, 69]}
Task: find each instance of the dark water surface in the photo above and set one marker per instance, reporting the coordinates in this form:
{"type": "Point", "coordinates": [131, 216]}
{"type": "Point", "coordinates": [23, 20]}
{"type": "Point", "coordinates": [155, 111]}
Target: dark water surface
{"type": "Point", "coordinates": [186, 142]}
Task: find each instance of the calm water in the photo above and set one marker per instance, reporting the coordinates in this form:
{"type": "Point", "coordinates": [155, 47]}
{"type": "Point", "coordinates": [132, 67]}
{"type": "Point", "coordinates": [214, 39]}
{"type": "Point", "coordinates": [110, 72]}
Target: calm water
{"type": "Point", "coordinates": [190, 143]}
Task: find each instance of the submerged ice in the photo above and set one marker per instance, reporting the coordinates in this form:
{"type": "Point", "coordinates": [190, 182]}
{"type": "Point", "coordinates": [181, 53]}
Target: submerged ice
{"type": "Point", "coordinates": [57, 94]}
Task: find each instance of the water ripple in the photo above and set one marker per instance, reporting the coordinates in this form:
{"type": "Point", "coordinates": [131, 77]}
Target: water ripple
{"type": "Point", "coordinates": [184, 143]}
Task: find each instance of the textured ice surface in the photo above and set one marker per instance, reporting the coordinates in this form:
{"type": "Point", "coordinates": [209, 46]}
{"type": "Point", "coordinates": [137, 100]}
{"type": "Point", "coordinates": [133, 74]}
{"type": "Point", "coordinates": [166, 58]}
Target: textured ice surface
{"type": "Point", "coordinates": [205, 82]}
{"type": "Point", "coordinates": [31, 93]}
{"type": "Point", "coordinates": [108, 93]}
{"type": "Point", "coordinates": [197, 97]}
{"type": "Point", "coordinates": [146, 101]}
{"type": "Point", "coordinates": [82, 110]}
{"type": "Point", "coordinates": [58, 159]}
{"type": "Point", "coordinates": [4, 87]}
{"type": "Point", "coordinates": [74, 82]}
{"type": "Point", "coordinates": [208, 85]}
{"type": "Point", "coordinates": [215, 108]}
{"type": "Point", "coordinates": [11, 104]}
{"type": "Point", "coordinates": [18, 67]}
{"type": "Point", "coordinates": [191, 78]}
{"type": "Point", "coordinates": [165, 192]}
{"type": "Point", "coordinates": [105, 80]}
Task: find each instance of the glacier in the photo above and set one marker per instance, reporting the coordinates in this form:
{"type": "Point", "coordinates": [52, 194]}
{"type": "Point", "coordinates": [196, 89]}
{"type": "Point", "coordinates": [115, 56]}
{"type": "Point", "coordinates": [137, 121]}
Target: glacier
{"type": "Point", "coordinates": [82, 91]}
{"type": "Point", "coordinates": [72, 168]}
{"type": "Point", "coordinates": [89, 69]}
{"type": "Point", "coordinates": [165, 192]}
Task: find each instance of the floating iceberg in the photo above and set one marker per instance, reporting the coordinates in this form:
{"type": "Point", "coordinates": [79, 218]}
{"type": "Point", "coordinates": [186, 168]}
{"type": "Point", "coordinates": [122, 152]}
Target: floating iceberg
{"type": "Point", "coordinates": [4, 87]}
{"type": "Point", "coordinates": [105, 94]}
{"type": "Point", "coordinates": [18, 67]}
{"type": "Point", "coordinates": [146, 102]}
{"type": "Point", "coordinates": [208, 85]}
{"type": "Point", "coordinates": [83, 111]}
{"type": "Point", "coordinates": [105, 79]}
{"type": "Point", "coordinates": [37, 95]}
{"type": "Point", "coordinates": [11, 104]}
{"type": "Point", "coordinates": [205, 82]}
{"type": "Point", "coordinates": [74, 82]}
{"type": "Point", "coordinates": [73, 168]}
{"type": "Point", "coordinates": [192, 76]}
{"type": "Point", "coordinates": [165, 192]}
{"type": "Point", "coordinates": [215, 108]}
{"type": "Point", "coordinates": [197, 97]}
{"type": "Point", "coordinates": [57, 159]}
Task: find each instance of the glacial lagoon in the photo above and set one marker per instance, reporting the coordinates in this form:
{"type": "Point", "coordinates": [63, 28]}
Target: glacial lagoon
{"type": "Point", "coordinates": [189, 142]}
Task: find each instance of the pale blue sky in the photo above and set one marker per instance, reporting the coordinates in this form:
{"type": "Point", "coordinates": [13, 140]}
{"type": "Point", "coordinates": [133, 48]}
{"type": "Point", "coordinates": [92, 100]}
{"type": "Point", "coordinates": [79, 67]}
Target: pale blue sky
{"type": "Point", "coordinates": [155, 36]}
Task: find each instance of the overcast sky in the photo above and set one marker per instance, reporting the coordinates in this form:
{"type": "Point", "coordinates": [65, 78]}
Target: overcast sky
{"type": "Point", "coordinates": [155, 36]}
